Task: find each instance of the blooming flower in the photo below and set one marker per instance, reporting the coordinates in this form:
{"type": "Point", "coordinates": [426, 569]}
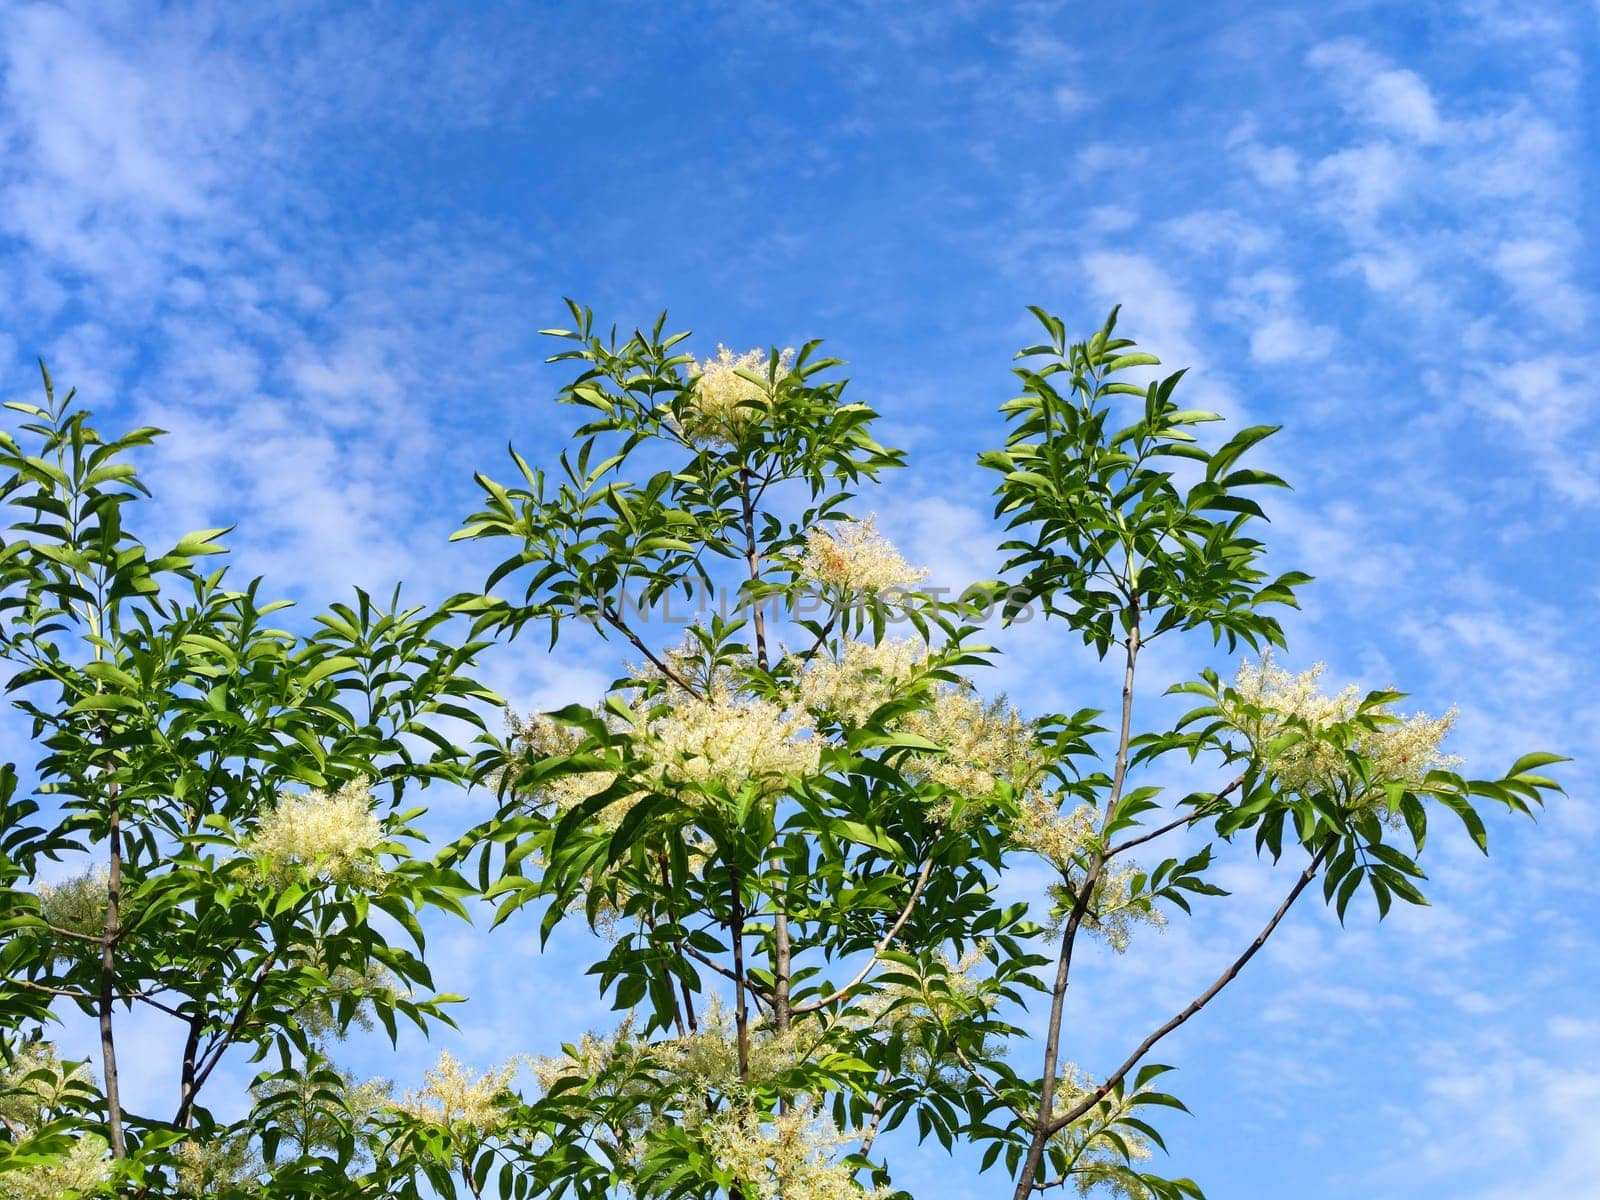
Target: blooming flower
{"type": "Point", "coordinates": [984, 744]}
{"type": "Point", "coordinates": [722, 405]}
{"type": "Point", "coordinates": [784, 1157]}
{"type": "Point", "coordinates": [453, 1096]}
{"type": "Point", "coordinates": [853, 556]}
{"type": "Point", "coordinates": [209, 1166]}
{"type": "Point", "coordinates": [863, 677]}
{"type": "Point", "coordinates": [730, 741]}
{"type": "Point", "coordinates": [77, 904]}
{"type": "Point", "coordinates": [1398, 750]}
{"type": "Point", "coordinates": [708, 1058]}
{"type": "Point", "coordinates": [80, 1171]}
{"type": "Point", "coordinates": [1055, 836]}
{"type": "Point", "coordinates": [32, 1087]}
{"type": "Point", "coordinates": [1115, 909]}
{"type": "Point", "coordinates": [1098, 1161]}
{"type": "Point", "coordinates": [539, 737]}
{"type": "Point", "coordinates": [326, 836]}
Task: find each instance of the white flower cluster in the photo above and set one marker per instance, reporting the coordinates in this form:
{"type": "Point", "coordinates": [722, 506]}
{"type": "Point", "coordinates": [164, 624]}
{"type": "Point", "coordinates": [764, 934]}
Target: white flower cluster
{"type": "Point", "coordinates": [1055, 836]}
{"type": "Point", "coordinates": [78, 904]}
{"type": "Point", "coordinates": [329, 836]}
{"type": "Point", "coordinates": [785, 1157]}
{"type": "Point", "coordinates": [213, 1166]}
{"type": "Point", "coordinates": [1096, 1158]}
{"type": "Point", "coordinates": [708, 1059]}
{"type": "Point", "coordinates": [731, 741]}
{"type": "Point", "coordinates": [452, 1096]}
{"type": "Point", "coordinates": [722, 405]}
{"type": "Point", "coordinates": [35, 1081]}
{"type": "Point", "coordinates": [984, 744]}
{"type": "Point", "coordinates": [1115, 910]}
{"type": "Point", "coordinates": [853, 557]}
{"type": "Point", "coordinates": [592, 1057]}
{"type": "Point", "coordinates": [539, 737]}
{"type": "Point", "coordinates": [319, 1014]}
{"type": "Point", "coordinates": [26, 1102]}
{"type": "Point", "coordinates": [863, 677]}
{"type": "Point", "coordinates": [80, 1172]}
{"type": "Point", "coordinates": [1403, 750]}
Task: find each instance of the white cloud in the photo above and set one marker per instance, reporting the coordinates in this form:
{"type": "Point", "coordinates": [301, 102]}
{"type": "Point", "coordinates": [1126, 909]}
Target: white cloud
{"type": "Point", "coordinates": [1355, 185]}
{"type": "Point", "coordinates": [1539, 271]}
{"type": "Point", "coordinates": [1287, 339]}
{"type": "Point", "coordinates": [1394, 99]}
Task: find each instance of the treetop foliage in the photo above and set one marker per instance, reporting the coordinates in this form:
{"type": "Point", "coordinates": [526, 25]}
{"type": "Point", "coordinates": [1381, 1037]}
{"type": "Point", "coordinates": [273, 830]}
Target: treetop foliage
{"type": "Point", "coordinates": [785, 826]}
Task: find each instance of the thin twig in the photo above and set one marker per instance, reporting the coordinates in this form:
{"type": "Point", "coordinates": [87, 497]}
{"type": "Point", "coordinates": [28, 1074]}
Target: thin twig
{"type": "Point", "coordinates": [621, 627]}
{"type": "Point", "coordinates": [878, 947]}
{"type": "Point", "coordinates": [1200, 1001]}
{"type": "Point", "coordinates": [985, 1083]}
{"type": "Point", "coordinates": [1187, 819]}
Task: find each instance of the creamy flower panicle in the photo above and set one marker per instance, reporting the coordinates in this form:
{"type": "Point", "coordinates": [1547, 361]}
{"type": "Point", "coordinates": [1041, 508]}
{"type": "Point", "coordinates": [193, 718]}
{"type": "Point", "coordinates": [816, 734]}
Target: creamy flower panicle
{"type": "Point", "coordinates": [210, 1166]}
{"type": "Point", "coordinates": [31, 1088]}
{"type": "Point", "coordinates": [985, 744]}
{"type": "Point", "coordinates": [729, 741]}
{"type": "Point", "coordinates": [332, 836]}
{"type": "Point", "coordinates": [1055, 836]}
{"type": "Point", "coordinates": [539, 738]}
{"type": "Point", "coordinates": [722, 405]}
{"type": "Point", "coordinates": [454, 1097]}
{"type": "Point", "coordinates": [593, 1056]}
{"type": "Point", "coordinates": [1403, 751]}
{"type": "Point", "coordinates": [80, 1171]}
{"type": "Point", "coordinates": [862, 678]}
{"type": "Point", "coordinates": [787, 1157]}
{"type": "Point", "coordinates": [708, 1058]}
{"type": "Point", "coordinates": [1097, 1162]}
{"type": "Point", "coordinates": [852, 557]}
{"type": "Point", "coordinates": [79, 904]}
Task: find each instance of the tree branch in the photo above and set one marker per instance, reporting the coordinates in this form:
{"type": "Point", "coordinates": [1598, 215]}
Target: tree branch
{"type": "Point", "coordinates": [1069, 934]}
{"type": "Point", "coordinates": [656, 661]}
{"type": "Point", "coordinates": [1187, 819]}
{"type": "Point", "coordinates": [215, 1051]}
{"type": "Point", "coordinates": [878, 947]}
{"type": "Point", "coordinates": [702, 957]}
{"type": "Point", "coordinates": [987, 1085]}
{"type": "Point", "coordinates": [1200, 1001]}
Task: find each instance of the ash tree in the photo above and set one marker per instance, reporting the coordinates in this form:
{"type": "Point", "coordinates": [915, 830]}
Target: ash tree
{"type": "Point", "coordinates": [210, 844]}
{"type": "Point", "coordinates": [788, 818]}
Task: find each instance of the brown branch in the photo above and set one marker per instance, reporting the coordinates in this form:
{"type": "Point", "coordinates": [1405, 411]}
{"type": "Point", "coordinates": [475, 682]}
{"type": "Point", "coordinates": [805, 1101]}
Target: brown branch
{"type": "Point", "coordinates": [1200, 1001]}
{"type": "Point", "coordinates": [46, 989]}
{"type": "Point", "coordinates": [878, 947]}
{"type": "Point", "coordinates": [741, 1011]}
{"type": "Point", "coordinates": [186, 1083]}
{"type": "Point", "coordinates": [1069, 934]}
{"type": "Point", "coordinates": [1187, 819]}
{"type": "Point", "coordinates": [701, 956]}
{"type": "Point", "coordinates": [217, 1048]}
{"type": "Point", "coordinates": [147, 998]}
{"type": "Point", "coordinates": [108, 968]}
{"type": "Point", "coordinates": [782, 950]}
{"type": "Point", "coordinates": [822, 636]}
{"type": "Point", "coordinates": [660, 664]}
{"type": "Point", "coordinates": [988, 1086]}
{"type": "Point", "coordinates": [91, 938]}
{"type": "Point", "coordinates": [89, 997]}
{"type": "Point", "coordinates": [870, 1133]}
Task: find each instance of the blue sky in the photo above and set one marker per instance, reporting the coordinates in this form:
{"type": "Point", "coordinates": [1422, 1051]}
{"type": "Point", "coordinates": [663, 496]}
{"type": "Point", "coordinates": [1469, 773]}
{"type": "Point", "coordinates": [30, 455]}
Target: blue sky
{"type": "Point", "coordinates": [314, 241]}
